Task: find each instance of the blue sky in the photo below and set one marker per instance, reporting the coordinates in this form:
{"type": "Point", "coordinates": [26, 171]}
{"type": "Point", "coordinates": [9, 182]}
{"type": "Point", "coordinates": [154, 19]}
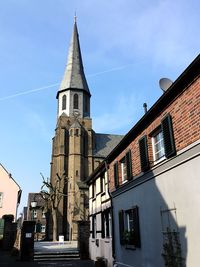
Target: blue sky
{"type": "Point", "coordinates": [127, 46]}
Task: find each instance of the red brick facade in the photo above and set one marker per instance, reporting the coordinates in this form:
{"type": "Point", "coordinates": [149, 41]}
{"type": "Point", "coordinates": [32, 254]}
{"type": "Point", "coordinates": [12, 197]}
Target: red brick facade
{"type": "Point", "coordinates": [184, 110]}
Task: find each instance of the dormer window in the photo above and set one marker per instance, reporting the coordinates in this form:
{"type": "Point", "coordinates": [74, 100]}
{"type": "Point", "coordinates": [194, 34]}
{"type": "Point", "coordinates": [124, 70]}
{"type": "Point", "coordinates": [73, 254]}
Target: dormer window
{"type": "Point", "coordinates": [64, 102]}
{"type": "Point", "coordinates": [76, 101]}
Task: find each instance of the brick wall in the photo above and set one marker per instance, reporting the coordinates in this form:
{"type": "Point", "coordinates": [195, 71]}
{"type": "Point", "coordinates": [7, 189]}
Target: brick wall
{"type": "Point", "coordinates": [185, 113]}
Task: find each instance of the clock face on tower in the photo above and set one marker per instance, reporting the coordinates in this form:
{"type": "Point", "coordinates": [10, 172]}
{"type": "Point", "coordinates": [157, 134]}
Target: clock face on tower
{"type": "Point", "coordinates": [76, 114]}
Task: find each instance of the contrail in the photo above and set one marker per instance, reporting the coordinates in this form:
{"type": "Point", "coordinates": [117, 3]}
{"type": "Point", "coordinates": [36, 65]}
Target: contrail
{"type": "Point", "coordinates": [29, 91]}
{"type": "Point", "coordinates": [56, 84]}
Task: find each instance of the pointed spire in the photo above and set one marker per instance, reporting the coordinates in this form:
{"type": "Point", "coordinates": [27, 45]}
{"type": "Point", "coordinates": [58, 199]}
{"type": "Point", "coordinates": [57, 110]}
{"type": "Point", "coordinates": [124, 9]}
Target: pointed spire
{"type": "Point", "coordinates": [74, 77]}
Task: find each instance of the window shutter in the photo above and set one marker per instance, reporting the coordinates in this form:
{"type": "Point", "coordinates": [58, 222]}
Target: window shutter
{"type": "Point", "coordinates": [121, 226]}
{"type": "Point", "coordinates": [136, 226]}
{"type": "Point", "coordinates": [128, 165]}
{"type": "Point", "coordinates": [144, 159]}
{"type": "Point", "coordinates": [168, 136]}
{"type": "Point", "coordinates": [102, 225]}
{"type": "Point", "coordinates": [116, 176]}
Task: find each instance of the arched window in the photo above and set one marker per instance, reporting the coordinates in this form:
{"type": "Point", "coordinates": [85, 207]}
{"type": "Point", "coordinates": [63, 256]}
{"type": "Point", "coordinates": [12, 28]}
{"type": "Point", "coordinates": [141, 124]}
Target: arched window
{"type": "Point", "coordinates": [86, 104]}
{"type": "Point", "coordinates": [64, 102]}
{"type": "Point", "coordinates": [76, 101]}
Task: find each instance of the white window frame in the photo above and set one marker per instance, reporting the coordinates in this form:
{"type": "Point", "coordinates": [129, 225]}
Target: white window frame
{"type": "Point", "coordinates": [156, 134]}
{"type": "Point", "coordinates": [123, 170]}
{"type": "Point", "coordinates": [43, 214]}
{"type": "Point", "coordinates": [43, 228]}
{"type": "Point", "coordinates": [1, 199]}
{"type": "Point", "coordinates": [35, 214]}
{"type": "Point", "coordinates": [129, 220]}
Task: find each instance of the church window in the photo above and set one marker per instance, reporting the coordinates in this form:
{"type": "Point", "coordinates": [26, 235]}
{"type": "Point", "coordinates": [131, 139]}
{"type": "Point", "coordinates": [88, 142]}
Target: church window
{"type": "Point", "coordinates": [64, 102]}
{"type": "Point", "coordinates": [76, 132]}
{"type": "Point", "coordinates": [86, 104]}
{"type": "Point", "coordinates": [76, 101]}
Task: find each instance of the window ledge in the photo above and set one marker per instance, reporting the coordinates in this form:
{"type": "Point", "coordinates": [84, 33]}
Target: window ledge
{"type": "Point", "coordinates": [132, 247]}
{"type": "Point", "coordinates": [159, 160]}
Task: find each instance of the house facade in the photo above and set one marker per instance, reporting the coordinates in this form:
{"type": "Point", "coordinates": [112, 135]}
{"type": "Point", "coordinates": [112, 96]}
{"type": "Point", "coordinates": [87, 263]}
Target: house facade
{"type": "Point", "coordinates": [100, 216]}
{"type": "Point", "coordinates": [154, 184]}
{"type": "Point", "coordinates": [36, 210]}
{"type": "Point", "coordinates": [10, 194]}
{"type": "Point", "coordinates": [154, 180]}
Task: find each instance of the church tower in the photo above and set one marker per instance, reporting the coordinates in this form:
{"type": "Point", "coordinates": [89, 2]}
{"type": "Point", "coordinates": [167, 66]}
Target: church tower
{"type": "Point", "coordinates": [76, 150]}
{"type": "Point", "coordinates": [72, 144]}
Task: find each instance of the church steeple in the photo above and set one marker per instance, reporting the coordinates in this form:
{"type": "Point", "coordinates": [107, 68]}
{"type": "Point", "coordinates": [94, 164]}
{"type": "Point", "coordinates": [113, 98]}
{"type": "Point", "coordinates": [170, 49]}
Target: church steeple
{"type": "Point", "coordinates": [74, 83]}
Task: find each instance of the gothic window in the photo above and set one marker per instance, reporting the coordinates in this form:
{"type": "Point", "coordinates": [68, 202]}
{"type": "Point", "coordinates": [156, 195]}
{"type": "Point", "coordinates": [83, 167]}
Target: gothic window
{"type": "Point", "coordinates": [75, 101]}
{"type": "Point", "coordinates": [64, 102]}
{"type": "Point", "coordinates": [86, 104]}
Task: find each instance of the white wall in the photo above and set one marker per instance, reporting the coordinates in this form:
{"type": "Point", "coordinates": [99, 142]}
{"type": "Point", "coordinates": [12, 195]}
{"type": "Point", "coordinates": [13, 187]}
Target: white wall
{"type": "Point", "coordinates": [177, 186]}
{"type": "Point", "coordinates": [104, 247]}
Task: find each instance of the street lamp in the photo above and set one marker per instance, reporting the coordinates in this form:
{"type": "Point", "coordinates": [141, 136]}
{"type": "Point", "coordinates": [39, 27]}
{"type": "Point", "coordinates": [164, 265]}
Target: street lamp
{"type": "Point", "coordinates": [33, 206]}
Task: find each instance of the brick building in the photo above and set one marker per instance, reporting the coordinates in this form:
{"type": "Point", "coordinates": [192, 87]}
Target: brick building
{"type": "Point", "coordinates": [154, 180]}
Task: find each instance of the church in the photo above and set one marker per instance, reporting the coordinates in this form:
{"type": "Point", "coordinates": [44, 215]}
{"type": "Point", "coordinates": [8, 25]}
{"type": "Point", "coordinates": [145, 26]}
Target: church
{"type": "Point", "coordinates": [76, 148]}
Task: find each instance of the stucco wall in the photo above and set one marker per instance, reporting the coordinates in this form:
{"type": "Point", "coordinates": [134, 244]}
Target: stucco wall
{"type": "Point", "coordinates": [10, 189]}
{"type": "Point", "coordinates": [172, 185]}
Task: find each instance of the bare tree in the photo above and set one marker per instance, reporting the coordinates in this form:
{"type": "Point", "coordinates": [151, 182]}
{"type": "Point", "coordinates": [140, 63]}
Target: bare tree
{"type": "Point", "coordinates": [52, 193]}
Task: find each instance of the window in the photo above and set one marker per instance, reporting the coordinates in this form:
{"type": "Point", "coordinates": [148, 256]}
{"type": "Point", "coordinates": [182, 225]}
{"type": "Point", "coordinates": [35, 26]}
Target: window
{"type": "Point", "coordinates": [75, 101]}
{"type": "Point", "coordinates": [86, 104]}
{"type": "Point", "coordinates": [158, 145]}
{"type": "Point", "coordinates": [43, 214]}
{"type": "Point", "coordinates": [129, 227]}
{"type": "Point", "coordinates": [64, 102]}
{"type": "Point", "coordinates": [123, 170]}
{"type": "Point", "coordinates": [126, 167]}
{"type": "Point", "coordinates": [43, 228]}
{"type": "Point", "coordinates": [106, 224]}
{"type": "Point", "coordinates": [1, 199]}
{"type": "Point", "coordinates": [34, 214]}
{"type": "Point", "coordinates": [163, 140]}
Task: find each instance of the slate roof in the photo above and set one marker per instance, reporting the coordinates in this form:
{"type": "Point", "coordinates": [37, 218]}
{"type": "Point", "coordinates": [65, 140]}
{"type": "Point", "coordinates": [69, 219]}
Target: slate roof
{"type": "Point", "coordinates": [36, 197]}
{"type": "Point", "coordinates": [104, 144]}
{"type": "Point", "coordinates": [74, 77]}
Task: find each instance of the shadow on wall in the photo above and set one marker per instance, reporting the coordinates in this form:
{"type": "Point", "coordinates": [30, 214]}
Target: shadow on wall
{"type": "Point", "coordinates": [155, 222]}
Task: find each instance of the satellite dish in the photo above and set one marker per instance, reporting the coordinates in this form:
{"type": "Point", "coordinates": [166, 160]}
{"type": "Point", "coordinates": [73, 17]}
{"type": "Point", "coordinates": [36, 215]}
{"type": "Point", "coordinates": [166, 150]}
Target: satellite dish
{"type": "Point", "coordinates": [165, 83]}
